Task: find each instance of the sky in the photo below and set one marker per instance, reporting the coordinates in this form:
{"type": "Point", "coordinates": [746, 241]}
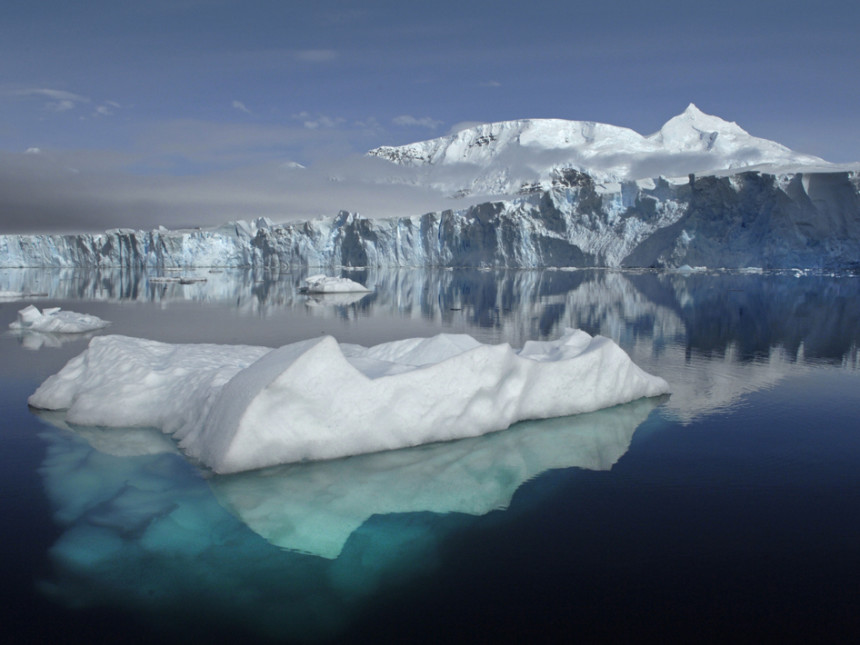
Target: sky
{"type": "Point", "coordinates": [192, 112]}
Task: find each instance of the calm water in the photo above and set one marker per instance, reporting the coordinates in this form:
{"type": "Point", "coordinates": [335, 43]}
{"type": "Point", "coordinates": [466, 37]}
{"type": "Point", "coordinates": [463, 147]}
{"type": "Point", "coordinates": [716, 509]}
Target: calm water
{"type": "Point", "coordinates": [729, 511]}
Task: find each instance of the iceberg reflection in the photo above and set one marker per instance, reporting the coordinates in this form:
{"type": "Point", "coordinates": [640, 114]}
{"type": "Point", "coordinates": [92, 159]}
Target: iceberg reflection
{"type": "Point", "coordinates": [144, 531]}
{"type": "Point", "coordinates": [315, 507]}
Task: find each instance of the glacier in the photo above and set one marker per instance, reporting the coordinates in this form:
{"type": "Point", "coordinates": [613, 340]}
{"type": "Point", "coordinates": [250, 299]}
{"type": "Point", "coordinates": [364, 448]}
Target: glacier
{"type": "Point", "coordinates": [235, 408]}
{"type": "Point", "coordinates": [751, 218]}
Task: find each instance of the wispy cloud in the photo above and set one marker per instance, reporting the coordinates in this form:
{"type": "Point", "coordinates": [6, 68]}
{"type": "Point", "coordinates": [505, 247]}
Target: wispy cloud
{"type": "Point", "coordinates": [490, 84]}
{"type": "Point", "coordinates": [55, 100]}
{"type": "Point", "coordinates": [318, 121]}
{"type": "Point", "coordinates": [238, 105]}
{"type": "Point", "coordinates": [62, 100]}
{"type": "Point", "coordinates": [56, 95]}
{"type": "Point", "coordinates": [406, 120]}
{"type": "Point", "coordinates": [316, 55]}
{"type": "Point", "coordinates": [108, 108]}
{"type": "Point", "coordinates": [369, 125]}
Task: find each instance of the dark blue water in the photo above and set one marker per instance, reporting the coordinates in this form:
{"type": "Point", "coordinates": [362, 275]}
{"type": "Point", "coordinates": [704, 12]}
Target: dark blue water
{"type": "Point", "coordinates": [728, 512]}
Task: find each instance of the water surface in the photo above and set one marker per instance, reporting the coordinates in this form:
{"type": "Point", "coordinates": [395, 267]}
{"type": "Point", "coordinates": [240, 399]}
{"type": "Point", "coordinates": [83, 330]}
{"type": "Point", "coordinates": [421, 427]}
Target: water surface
{"type": "Point", "coordinates": [727, 511]}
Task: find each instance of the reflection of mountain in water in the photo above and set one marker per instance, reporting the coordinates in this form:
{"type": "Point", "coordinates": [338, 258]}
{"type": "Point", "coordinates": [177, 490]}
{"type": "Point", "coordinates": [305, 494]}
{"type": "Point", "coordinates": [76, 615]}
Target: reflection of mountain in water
{"type": "Point", "coordinates": [142, 530]}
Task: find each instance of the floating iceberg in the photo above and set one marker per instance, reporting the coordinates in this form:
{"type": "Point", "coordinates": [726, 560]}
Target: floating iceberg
{"type": "Point", "coordinates": [54, 321]}
{"type": "Point", "coordinates": [326, 284]}
{"type": "Point", "coordinates": [240, 408]}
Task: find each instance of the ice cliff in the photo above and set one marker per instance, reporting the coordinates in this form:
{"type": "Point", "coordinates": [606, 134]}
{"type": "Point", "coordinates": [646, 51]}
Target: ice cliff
{"type": "Point", "coordinates": [753, 218]}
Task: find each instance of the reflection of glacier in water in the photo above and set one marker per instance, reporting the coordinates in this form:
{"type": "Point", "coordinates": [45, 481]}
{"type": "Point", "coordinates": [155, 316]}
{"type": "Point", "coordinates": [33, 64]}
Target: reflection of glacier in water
{"type": "Point", "coordinates": [714, 336]}
{"type": "Point", "coordinates": [707, 311]}
{"type": "Point", "coordinates": [144, 531]}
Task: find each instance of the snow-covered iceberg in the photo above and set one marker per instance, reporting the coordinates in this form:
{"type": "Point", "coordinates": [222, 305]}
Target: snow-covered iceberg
{"type": "Point", "coordinates": [53, 320]}
{"type": "Point", "coordinates": [327, 284]}
{"type": "Point", "coordinates": [317, 399]}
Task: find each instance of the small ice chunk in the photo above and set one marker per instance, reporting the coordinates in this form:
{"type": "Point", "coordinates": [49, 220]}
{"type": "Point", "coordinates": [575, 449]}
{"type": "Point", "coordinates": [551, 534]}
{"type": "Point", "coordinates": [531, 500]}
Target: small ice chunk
{"type": "Point", "coordinates": [53, 320]}
{"type": "Point", "coordinates": [326, 284]}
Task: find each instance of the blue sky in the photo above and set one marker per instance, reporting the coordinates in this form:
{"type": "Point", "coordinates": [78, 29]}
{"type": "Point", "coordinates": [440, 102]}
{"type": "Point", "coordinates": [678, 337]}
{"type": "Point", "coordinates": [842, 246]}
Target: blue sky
{"type": "Point", "coordinates": [179, 112]}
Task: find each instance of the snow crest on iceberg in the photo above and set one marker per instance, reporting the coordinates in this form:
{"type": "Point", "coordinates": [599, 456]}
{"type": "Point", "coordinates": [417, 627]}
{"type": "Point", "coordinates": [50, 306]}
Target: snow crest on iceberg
{"type": "Point", "coordinates": [317, 399]}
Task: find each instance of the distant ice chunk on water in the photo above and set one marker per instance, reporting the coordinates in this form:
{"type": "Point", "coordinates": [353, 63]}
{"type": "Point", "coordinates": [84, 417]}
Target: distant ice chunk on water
{"type": "Point", "coordinates": [235, 408]}
{"type": "Point", "coordinates": [55, 321]}
{"type": "Point", "coordinates": [326, 284]}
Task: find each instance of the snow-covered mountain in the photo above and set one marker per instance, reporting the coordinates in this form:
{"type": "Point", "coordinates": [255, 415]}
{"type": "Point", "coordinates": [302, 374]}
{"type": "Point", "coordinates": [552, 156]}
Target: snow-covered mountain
{"type": "Point", "coordinates": [750, 219]}
{"type": "Point", "coordinates": [502, 158]}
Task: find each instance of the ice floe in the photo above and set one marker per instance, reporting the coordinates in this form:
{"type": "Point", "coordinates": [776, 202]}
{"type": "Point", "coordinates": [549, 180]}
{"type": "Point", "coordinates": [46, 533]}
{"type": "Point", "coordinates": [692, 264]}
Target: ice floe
{"type": "Point", "coordinates": [55, 321]}
{"type": "Point", "coordinates": [326, 284]}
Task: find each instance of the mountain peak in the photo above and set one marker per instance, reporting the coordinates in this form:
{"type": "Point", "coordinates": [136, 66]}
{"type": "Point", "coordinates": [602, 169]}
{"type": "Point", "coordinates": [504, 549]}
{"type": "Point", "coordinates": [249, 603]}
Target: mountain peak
{"type": "Point", "coordinates": [692, 110]}
{"type": "Point", "coordinates": [693, 130]}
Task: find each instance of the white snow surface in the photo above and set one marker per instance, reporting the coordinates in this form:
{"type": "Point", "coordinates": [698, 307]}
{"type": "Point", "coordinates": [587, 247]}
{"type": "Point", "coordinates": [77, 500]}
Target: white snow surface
{"type": "Point", "coordinates": [55, 321]}
{"type": "Point", "coordinates": [322, 283]}
{"type": "Point", "coordinates": [235, 408]}
{"type": "Point", "coordinates": [498, 158]}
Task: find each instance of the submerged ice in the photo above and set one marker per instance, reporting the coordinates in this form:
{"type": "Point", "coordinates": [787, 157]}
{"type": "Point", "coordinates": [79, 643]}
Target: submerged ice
{"type": "Point", "coordinates": [142, 531]}
{"type": "Point", "coordinates": [237, 408]}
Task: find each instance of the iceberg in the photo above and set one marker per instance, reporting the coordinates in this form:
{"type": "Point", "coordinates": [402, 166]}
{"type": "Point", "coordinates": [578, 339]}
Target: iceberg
{"type": "Point", "coordinates": [326, 284]}
{"type": "Point", "coordinates": [53, 320]}
{"type": "Point", "coordinates": [234, 408]}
